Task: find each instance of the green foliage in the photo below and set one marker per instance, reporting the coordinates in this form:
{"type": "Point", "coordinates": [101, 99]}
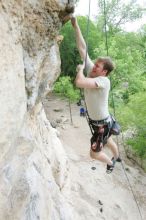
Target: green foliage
{"type": "Point", "coordinates": [128, 77]}
{"type": "Point", "coordinates": [128, 50]}
{"type": "Point", "coordinates": [133, 115]}
{"type": "Point", "coordinates": [138, 143]}
{"type": "Point", "coordinates": [64, 88]}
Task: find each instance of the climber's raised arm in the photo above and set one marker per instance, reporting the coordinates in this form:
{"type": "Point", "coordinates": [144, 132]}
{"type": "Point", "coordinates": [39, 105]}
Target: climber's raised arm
{"type": "Point", "coordinates": [81, 44]}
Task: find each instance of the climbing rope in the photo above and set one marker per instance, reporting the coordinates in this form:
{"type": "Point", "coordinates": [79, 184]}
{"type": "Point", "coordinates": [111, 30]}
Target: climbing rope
{"type": "Point", "coordinates": [86, 40]}
{"type": "Point", "coordinates": [107, 51]}
{"type": "Point", "coordinates": [87, 33]}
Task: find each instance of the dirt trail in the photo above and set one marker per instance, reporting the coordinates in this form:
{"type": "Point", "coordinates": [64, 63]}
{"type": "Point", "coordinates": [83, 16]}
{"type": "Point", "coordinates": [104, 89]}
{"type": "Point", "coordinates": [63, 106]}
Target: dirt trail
{"type": "Point", "coordinates": [96, 195]}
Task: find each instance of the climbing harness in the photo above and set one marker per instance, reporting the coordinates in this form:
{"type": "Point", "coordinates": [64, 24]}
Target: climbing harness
{"type": "Point", "coordinates": [102, 130]}
{"type": "Point", "coordinates": [100, 135]}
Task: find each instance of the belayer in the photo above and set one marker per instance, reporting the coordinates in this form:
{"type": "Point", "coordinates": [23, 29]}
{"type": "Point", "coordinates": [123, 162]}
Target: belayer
{"type": "Point", "coordinates": [96, 91]}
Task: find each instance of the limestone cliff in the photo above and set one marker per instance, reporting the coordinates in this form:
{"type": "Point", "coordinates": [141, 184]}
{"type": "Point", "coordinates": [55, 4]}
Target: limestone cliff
{"type": "Point", "coordinates": [38, 179]}
{"type": "Point", "coordinates": [33, 164]}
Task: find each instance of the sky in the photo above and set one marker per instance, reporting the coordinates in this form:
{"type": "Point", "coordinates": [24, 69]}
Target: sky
{"type": "Point", "coordinates": [83, 9]}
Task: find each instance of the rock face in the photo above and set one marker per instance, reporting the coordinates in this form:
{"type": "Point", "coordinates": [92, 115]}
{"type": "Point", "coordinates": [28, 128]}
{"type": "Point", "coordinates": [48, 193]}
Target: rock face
{"type": "Point", "coordinates": [33, 164]}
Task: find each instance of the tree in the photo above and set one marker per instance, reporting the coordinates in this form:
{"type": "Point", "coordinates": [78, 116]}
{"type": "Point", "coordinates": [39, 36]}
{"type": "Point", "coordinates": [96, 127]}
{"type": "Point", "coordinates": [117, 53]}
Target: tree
{"type": "Point", "coordinates": [125, 48]}
{"type": "Point", "coordinates": [133, 116]}
{"type": "Point", "coordinates": [117, 13]}
{"type": "Point", "coordinates": [143, 41]}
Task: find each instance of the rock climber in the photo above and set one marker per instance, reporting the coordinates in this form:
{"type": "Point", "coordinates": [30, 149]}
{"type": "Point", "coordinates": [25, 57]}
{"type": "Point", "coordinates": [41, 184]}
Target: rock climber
{"type": "Point", "coordinates": [96, 91]}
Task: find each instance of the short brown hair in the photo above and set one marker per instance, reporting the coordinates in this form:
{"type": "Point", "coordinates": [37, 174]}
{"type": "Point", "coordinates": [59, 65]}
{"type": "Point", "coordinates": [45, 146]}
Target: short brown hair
{"type": "Point", "coordinates": [107, 64]}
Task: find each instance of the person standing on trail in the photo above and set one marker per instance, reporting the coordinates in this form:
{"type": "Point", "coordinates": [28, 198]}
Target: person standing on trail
{"type": "Point", "coordinates": [96, 91]}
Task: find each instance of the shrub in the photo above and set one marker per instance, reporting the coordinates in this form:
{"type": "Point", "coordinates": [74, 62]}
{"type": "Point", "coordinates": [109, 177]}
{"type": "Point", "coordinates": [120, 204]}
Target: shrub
{"type": "Point", "coordinates": [65, 88]}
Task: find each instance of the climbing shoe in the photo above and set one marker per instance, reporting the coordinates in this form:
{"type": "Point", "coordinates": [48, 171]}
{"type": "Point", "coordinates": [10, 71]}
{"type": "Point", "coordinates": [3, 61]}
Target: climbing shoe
{"type": "Point", "coordinates": [117, 160]}
{"type": "Point", "coordinates": [110, 168]}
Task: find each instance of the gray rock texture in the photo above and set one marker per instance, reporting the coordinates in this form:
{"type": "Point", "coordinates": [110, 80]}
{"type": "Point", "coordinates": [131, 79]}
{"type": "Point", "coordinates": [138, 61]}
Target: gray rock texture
{"type": "Point", "coordinates": [33, 164]}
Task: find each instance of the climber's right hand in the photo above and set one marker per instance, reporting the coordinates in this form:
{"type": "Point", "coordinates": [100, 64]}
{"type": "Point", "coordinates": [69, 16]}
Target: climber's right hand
{"type": "Point", "coordinates": [74, 21]}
